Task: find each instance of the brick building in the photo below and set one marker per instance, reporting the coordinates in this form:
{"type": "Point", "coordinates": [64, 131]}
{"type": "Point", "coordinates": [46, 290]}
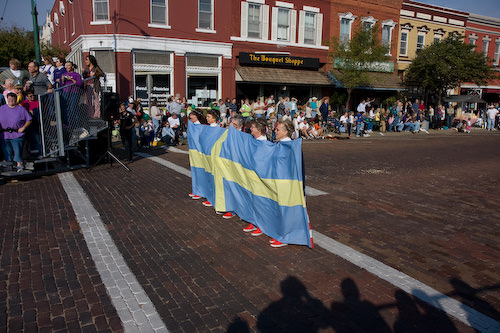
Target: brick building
{"type": "Point", "coordinates": [345, 15]}
{"type": "Point", "coordinates": [484, 33]}
{"type": "Point", "coordinates": [193, 48]}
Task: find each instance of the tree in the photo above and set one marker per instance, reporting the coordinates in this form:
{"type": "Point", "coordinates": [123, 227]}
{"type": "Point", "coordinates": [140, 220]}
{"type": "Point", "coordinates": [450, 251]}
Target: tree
{"type": "Point", "coordinates": [16, 43]}
{"type": "Point", "coordinates": [444, 64]}
{"type": "Point", "coordinates": [354, 58]}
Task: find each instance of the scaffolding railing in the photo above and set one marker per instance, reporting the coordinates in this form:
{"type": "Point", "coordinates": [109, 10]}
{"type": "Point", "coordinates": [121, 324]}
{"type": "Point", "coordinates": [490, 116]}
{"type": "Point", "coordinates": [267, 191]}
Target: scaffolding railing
{"type": "Point", "coordinates": [68, 115]}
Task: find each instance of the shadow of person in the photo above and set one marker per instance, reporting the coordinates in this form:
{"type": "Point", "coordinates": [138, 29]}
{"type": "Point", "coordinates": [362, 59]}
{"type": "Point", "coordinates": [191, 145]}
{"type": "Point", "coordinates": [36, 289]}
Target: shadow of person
{"type": "Point", "coordinates": [469, 296]}
{"type": "Point", "coordinates": [296, 311]}
{"type": "Point", "coordinates": [238, 326]}
{"type": "Point", "coordinates": [434, 316]}
{"type": "Point", "coordinates": [355, 315]}
{"type": "Point", "coordinates": [409, 318]}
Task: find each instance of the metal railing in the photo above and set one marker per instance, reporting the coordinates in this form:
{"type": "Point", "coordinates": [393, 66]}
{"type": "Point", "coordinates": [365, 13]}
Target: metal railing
{"type": "Point", "coordinates": [69, 115]}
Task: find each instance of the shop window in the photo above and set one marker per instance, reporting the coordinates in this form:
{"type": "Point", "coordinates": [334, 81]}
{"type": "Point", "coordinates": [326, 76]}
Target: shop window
{"type": "Point", "coordinates": [101, 10]}
{"type": "Point", "coordinates": [201, 61]}
{"type": "Point", "coordinates": [205, 14]}
{"type": "Point", "coordinates": [159, 12]}
{"type": "Point", "coordinates": [106, 60]}
{"type": "Point", "coordinates": [202, 89]}
{"type": "Point", "coordinates": [152, 85]}
{"type": "Point", "coordinates": [152, 58]}
{"type": "Point", "coordinates": [403, 47]}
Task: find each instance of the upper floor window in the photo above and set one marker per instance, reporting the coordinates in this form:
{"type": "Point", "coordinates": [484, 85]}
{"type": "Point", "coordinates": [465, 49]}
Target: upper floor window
{"type": "Point", "coordinates": [387, 27]}
{"type": "Point", "coordinates": [486, 44]}
{"type": "Point", "coordinates": [497, 54]}
{"type": "Point", "coordinates": [159, 12]}
{"type": "Point", "coordinates": [283, 24]}
{"type": "Point", "coordinates": [205, 14]}
{"type": "Point", "coordinates": [403, 47]}
{"type": "Point", "coordinates": [345, 27]}
{"type": "Point", "coordinates": [310, 28]}
{"type": "Point", "coordinates": [101, 10]}
{"type": "Point", "coordinates": [368, 22]}
{"type": "Point", "coordinates": [420, 41]}
{"type": "Point", "coordinates": [254, 20]}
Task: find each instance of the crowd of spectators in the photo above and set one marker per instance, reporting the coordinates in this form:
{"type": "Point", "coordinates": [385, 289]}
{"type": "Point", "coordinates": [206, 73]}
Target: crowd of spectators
{"type": "Point", "coordinates": [21, 87]}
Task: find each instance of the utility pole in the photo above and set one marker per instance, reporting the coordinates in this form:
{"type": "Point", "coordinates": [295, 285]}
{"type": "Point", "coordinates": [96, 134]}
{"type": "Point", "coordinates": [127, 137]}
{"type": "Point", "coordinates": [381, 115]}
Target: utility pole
{"type": "Point", "coordinates": [36, 33]}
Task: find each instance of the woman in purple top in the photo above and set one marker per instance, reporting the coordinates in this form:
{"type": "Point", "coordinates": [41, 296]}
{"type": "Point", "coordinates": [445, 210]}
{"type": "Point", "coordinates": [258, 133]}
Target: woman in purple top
{"type": "Point", "coordinates": [13, 122]}
{"type": "Point", "coordinates": [72, 83]}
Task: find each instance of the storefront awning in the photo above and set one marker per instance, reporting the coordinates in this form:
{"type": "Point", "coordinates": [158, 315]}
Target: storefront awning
{"type": "Point", "coordinates": [286, 76]}
{"type": "Point", "coordinates": [378, 81]}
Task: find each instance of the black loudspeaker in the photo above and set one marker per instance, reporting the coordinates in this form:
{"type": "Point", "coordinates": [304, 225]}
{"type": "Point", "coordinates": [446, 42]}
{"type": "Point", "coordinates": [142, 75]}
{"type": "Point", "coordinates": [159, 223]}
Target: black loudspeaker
{"type": "Point", "coordinates": [110, 106]}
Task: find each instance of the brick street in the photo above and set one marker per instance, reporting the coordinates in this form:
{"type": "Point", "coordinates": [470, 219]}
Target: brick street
{"type": "Point", "coordinates": [425, 205]}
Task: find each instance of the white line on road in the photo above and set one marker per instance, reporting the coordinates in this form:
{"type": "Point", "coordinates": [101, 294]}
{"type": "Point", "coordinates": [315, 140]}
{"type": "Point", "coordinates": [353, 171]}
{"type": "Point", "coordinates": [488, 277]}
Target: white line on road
{"type": "Point", "coordinates": [134, 307]}
{"type": "Point", "coordinates": [397, 278]}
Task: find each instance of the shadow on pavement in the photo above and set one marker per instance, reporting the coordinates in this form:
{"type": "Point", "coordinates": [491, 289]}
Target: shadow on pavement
{"type": "Point", "coordinates": [298, 311]}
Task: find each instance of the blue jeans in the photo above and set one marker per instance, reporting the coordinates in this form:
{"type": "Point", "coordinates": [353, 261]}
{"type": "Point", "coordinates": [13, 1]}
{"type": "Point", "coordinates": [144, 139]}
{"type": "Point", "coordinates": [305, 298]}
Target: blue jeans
{"type": "Point", "coordinates": [491, 124]}
{"type": "Point", "coordinates": [449, 121]}
{"type": "Point", "coordinates": [359, 128]}
{"type": "Point", "coordinates": [13, 145]}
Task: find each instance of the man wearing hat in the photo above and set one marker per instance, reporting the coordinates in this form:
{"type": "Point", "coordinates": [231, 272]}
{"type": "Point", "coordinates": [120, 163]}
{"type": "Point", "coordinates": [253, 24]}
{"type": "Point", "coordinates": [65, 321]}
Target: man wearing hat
{"type": "Point", "coordinates": [491, 113]}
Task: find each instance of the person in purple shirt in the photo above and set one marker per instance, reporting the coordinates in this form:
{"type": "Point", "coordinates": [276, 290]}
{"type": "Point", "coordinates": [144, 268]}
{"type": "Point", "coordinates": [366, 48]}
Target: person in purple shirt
{"type": "Point", "coordinates": [72, 83]}
{"type": "Point", "coordinates": [14, 119]}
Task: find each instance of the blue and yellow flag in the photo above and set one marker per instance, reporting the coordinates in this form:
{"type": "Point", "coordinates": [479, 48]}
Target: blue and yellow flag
{"type": "Point", "coordinates": [260, 181]}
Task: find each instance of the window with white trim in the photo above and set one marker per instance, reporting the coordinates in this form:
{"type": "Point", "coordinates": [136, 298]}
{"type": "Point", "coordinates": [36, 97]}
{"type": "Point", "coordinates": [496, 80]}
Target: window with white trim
{"type": "Point", "coordinates": [345, 27]}
{"type": "Point", "coordinates": [254, 20]}
{"type": "Point", "coordinates": [420, 41]}
{"type": "Point", "coordinates": [387, 27]}
{"type": "Point", "coordinates": [283, 24]}
{"type": "Point", "coordinates": [497, 54]}
{"type": "Point", "coordinates": [368, 22]}
{"type": "Point", "coordinates": [205, 14]}
{"type": "Point", "coordinates": [486, 44]}
{"type": "Point", "coordinates": [472, 39]}
{"type": "Point", "coordinates": [310, 28]}
{"type": "Point", "coordinates": [159, 12]}
{"type": "Point", "coordinates": [101, 10]}
{"type": "Point", "coordinates": [437, 38]}
{"type": "Point", "coordinates": [403, 46]}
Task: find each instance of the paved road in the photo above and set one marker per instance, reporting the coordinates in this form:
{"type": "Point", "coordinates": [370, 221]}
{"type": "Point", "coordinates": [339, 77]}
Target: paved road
{"type": "Point", "coordinates": [422, 208]}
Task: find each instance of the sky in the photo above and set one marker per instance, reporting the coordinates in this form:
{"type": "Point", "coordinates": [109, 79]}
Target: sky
{"type": "Point", "coordinates": [18, 12]}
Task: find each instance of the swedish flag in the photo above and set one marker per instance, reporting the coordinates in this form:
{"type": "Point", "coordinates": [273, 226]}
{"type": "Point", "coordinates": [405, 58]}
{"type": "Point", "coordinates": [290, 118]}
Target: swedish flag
{"type": "Point", "coordinates": [261, 181]}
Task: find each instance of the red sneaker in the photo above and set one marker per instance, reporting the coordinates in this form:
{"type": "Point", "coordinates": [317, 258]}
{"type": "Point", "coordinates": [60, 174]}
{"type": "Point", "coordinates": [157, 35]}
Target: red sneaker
{"type": "Point", "coordinates": [195, 197]}
{"type": "Point", "coordinates": [272, 240]}
{"type": "Point", "coordinates": [249, 228]}
{"type": "Point", "coordinates": [278, 244]}
{"type": "Point", "coordinates": [206, 203]}
{"type": "Point", "coordinates": [191, 195]}
{"type": "Point", "coordinates": [228, 215]}
{"type": "Point", "coordinates": [256, 232]}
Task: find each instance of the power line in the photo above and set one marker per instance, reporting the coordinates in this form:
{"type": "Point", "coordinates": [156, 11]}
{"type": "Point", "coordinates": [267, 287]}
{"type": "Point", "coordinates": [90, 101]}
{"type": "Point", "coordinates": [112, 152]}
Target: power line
{"type": "Point", "coordinates": [4, 9]}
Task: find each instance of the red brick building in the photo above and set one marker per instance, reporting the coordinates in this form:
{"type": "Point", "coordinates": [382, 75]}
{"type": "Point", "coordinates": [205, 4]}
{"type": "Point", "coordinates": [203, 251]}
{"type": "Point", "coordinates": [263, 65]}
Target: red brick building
{"type": "Point", "coordinates": [192, 48]}
{"type": "Point", "coordinates": [484, 33]}
{"type": "Point", "coordinates": [346, 15]}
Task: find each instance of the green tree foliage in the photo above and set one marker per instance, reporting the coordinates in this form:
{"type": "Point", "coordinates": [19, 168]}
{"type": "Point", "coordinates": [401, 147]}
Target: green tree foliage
{"type": "Point", "coordinates": [16, 43]}
{"type": "Point", "coordinates": [444, 64]}
{"type": "Point", "coordinates": [354, 57]}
